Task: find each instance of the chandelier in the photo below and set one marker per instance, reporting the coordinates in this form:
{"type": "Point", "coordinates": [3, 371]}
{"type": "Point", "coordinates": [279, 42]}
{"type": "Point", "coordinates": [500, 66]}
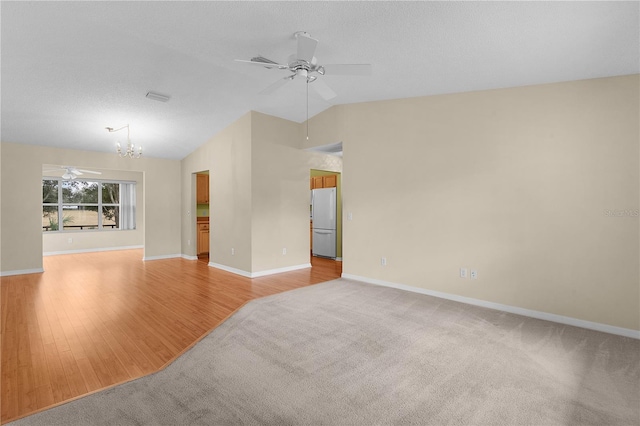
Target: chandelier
{"type": "Point", "coordinates": [131, 151]}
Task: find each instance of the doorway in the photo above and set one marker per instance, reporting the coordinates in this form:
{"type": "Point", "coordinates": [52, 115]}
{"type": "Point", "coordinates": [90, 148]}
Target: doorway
{"type": "Point", "coordinates": [324, 179]}
{"type": "Point", "coordinates": [202, 209]}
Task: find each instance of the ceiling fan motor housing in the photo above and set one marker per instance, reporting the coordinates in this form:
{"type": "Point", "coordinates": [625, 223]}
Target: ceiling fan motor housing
{"type": "Point", "coordinates": [296, 63]}
{"type": "Point", "coordinates": [302, 68]}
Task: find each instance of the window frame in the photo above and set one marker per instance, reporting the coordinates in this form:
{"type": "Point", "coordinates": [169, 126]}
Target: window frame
{"type": "Point", "coordinates": [99, 205]}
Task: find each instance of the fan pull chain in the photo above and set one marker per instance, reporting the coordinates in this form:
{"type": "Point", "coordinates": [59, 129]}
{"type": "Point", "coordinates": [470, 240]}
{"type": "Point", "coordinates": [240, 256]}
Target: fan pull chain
{"type": "Point", "coordinates": [307, 108]}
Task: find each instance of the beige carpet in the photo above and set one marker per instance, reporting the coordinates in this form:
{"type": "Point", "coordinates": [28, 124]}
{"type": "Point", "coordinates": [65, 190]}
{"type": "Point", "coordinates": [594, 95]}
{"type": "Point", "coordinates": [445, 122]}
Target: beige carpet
{"type": "Point", "coordinates": [347, 353]}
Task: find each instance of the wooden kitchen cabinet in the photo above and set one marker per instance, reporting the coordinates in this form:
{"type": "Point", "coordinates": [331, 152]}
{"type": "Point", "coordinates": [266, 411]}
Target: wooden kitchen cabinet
{"type": "Point", "coordinates": [330, 181]}
{"type": "Point", "coordinates": [202, 189]}
{"type": "Point", "coordinates": [203, 238]}
{"type": "Point", "coordinates": [316, 182]}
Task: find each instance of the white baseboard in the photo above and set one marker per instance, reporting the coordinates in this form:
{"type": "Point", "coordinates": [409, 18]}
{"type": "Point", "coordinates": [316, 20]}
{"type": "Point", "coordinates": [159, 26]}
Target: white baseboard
{"type": "Point", "coordinates": [259, 273]}
{"type": "Point", "coordinates": [189, 257]}
{"type": "Point", "coordinates": [280, 270]}
{"type": "Point", "coordinates": [164, 256]}
{"type": "Point", "coordinates": [230, 269]}
{"type": "Point", "coordinates": [21, 272]}
{"type": "Point", "coordinates": [339, 259]}
{"type": "Point", "coordinates": [92, 250]}
{"type": "Point", "coordinates": [605, 328]}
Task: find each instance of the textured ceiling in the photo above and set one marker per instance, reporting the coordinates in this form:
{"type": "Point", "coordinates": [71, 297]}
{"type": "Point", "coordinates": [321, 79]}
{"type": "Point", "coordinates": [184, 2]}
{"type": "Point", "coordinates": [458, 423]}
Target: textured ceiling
{"type": "Point", "coordinates": [70, 69]}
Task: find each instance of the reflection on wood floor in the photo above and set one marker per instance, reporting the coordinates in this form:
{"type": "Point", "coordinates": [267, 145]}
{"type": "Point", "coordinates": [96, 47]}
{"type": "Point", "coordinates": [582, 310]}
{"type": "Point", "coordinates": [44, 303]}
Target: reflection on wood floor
{"type": "Point", "coordinates": [93, 320]}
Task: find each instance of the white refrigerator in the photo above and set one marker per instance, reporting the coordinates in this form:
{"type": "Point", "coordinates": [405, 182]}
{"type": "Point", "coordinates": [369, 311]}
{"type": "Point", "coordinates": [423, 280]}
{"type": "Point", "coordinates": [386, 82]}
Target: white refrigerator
{"type": "Point", "coordinates": [323, 213]}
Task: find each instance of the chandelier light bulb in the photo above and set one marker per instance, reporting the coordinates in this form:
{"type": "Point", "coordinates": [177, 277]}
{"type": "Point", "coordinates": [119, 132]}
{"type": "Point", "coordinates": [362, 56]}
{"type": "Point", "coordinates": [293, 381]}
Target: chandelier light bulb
{"type": "Point", "coordinates": [131, 148]}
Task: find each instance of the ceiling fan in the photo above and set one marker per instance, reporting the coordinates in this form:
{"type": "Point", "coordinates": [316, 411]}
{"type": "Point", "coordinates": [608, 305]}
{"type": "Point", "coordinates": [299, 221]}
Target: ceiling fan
{"type": "Point", "coordinates": [304, 65]}
{"type": "Point", "coordinates": [71, 172]}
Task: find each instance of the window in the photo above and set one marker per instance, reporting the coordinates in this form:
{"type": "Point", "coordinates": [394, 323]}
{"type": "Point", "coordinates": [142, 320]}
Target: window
{"type": "Point", "coordinates": [78, 205]}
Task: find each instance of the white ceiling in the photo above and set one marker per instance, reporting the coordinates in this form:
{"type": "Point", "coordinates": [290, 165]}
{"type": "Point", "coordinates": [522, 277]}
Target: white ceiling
{"type": "Point", "coordinates": [70, 69]}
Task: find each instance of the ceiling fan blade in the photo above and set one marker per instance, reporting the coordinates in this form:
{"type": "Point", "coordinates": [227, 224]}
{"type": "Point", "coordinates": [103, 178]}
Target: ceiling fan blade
{"type": "Point", "coordinates": [269, 64]}
{"type": "Point", "coordinates": [347, 69]}
{"type": "Point", "coordinates": [306, 47]}
{"type": "Point", "coordinates": [278, 84]}
{"type": "Point", "coordinates": [323, 90]}
{"type": "Point", "coordinates": [87, 171]}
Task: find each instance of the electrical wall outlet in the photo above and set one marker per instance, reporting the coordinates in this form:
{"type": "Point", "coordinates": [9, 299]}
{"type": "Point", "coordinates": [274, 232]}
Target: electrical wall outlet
{"type": "Point", "coordinates": [463, 272]}
{"type": "Point", "coordinates": [233, 251]}
{"type": "Point", "coordinates": [474, 274]}
{"type": "Point", "coordinates": [284, 251]}
{"type": "Point", "coordinates": [349, 216]}
{"type": "Point", "coordinates": [383, 261]}
{"type": "Point", "coordinates": [188, 242]}
{"type": "Point", "coordinates": [70, 240]}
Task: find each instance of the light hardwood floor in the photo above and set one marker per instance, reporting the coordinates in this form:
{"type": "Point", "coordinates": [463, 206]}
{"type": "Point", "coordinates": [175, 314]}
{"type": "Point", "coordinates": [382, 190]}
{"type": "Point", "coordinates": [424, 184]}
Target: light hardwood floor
{"type": "Point", "coordinates": [98, 319]}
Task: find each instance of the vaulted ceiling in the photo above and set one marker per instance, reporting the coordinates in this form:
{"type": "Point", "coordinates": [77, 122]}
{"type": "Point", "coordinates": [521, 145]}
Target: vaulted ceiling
{"type": "Point", "coordinates": [70, 69]}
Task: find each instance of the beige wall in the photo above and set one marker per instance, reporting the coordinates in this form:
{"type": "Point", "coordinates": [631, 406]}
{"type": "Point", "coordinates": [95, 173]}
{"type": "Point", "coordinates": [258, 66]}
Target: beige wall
{"type": "Point", "coordinates": [1, 269]}
{"type": "Point", "coordinates": [280, 195]}
{"type": "Point", "coordinates": [22, 240]}
{"type": "Point", "coordinates": [514, 183]}
{"type": "Point", "coordinates": [259, 194]}
{"type": "Point", "coordinates": [318, 161]}
{"type": "Point", "coordinates": [324, 129]}
{"type": "Point", "coordinates": [227, 157]}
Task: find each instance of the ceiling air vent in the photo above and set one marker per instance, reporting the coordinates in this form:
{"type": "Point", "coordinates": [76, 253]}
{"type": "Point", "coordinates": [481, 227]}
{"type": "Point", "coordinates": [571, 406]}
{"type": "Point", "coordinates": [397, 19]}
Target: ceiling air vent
{"type": "Point", "coordinates": [158, 97]}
